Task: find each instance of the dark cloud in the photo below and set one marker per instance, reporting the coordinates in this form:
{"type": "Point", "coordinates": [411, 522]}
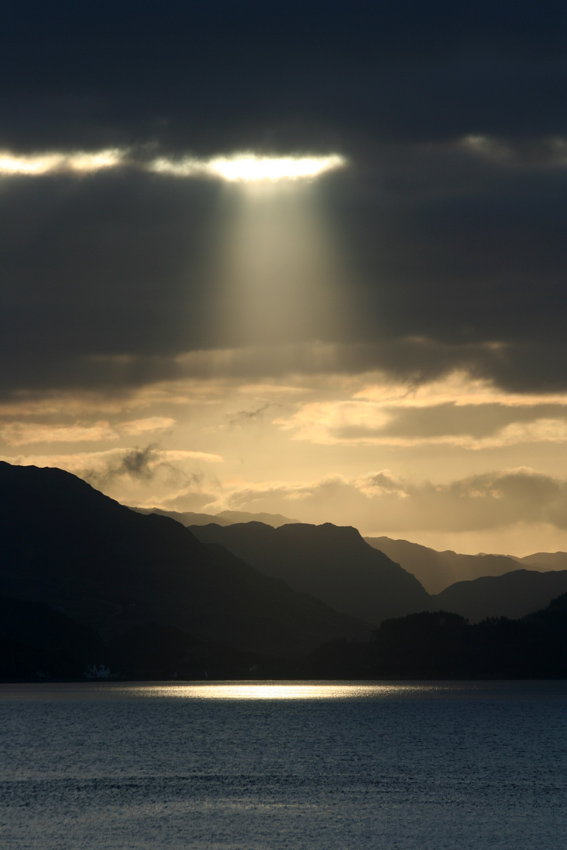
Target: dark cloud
{"type": "Point", "coordinates": [244, 417]}
{"type": "Point", "coordinates": [220, 74]}
{"type": "Point", "coordinates": [452, 256]}
{"type": "Point", "coordinates": [451, 420]}
{"type": "Point", "coordinates": [138, 464]}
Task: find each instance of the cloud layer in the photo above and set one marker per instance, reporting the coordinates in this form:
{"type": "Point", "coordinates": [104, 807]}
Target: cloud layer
{"type": "Point", "coordinates": [406, 312]}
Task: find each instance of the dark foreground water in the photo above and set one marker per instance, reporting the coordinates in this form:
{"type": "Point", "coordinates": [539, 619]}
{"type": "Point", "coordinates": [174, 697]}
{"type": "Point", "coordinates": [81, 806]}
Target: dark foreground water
{"type": "Point", "coordinates": [319, 766]}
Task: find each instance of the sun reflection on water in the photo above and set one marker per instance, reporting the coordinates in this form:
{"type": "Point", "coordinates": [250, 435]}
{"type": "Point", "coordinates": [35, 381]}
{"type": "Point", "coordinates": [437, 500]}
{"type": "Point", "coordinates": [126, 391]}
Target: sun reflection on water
{"type": "Point", "coordinates": [275, 690]}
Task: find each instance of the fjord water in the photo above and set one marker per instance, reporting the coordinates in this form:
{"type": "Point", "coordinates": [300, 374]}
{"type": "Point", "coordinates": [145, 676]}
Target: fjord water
{"type": "Point", "coordinates": [283, 765]}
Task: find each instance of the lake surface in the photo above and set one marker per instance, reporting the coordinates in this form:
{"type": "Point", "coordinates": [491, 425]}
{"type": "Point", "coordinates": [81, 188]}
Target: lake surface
{"type": "Point", "coordinates": [283, 765]}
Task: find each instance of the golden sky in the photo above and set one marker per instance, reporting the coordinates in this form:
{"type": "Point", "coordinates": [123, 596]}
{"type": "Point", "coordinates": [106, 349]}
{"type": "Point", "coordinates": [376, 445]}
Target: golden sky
{"type": "Point", "coordinates": [327, 283]}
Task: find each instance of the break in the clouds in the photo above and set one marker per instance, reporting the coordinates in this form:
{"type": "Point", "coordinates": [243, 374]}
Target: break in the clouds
{"type": "Point", "coordinates": [313, 239]}
{"type": "Point", "coordinates": [453, 411]}
{"type": "Point", "coordinates": [21, 433]}
{"type": "Point", "coordinates": [437, 260]}
{"type": "Point", "coordinates": [246, 167]}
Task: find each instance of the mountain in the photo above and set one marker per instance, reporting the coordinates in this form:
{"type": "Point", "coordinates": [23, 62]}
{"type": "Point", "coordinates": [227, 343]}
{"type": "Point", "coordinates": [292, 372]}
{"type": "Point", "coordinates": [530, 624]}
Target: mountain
{"type": "Point", "coordinates": [156, 652]}
{"type": "Point", "coordinates": [442, 645]}
{"type": "Point", "coordinates": [330, 562]}
{"type": "Point", "coordinates": [437, 570]}
{"type": "Point", "coordinates": [37, 642]}
{"type": "Point", "coordinates": [545, 561]}
{"type": "Point", "coordinates": [233, 517]}
{"type": "Point", "coordinates": [187, 518]}
{"type": "Point", "coordinates": [67, 545]}
{"type": "Point", "coordinates": [557, 606]}
{"type": "Point", "coordinates": [512, 595]}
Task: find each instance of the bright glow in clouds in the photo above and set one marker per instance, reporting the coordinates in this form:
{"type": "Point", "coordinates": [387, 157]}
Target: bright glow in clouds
{"type": "Point", "coordinates": [239, 167]}
{"type": "Point", "coordinates": [250, 168]}
{"type": "Point", "coordinates": [81, 162]}
{"type": "Point", "coordinates": [25, 433]}
{"type": "Point", "coordinates": [275, 263]}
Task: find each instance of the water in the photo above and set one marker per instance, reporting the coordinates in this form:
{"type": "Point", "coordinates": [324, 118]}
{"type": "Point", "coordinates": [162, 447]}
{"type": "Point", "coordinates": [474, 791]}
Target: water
{"type": "Point", "coordinates": [264, 767]}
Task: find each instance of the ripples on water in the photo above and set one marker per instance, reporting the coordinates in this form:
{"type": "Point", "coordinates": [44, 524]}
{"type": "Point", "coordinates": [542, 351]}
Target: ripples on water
{"type": "Point", "coordinates": [283, 765]}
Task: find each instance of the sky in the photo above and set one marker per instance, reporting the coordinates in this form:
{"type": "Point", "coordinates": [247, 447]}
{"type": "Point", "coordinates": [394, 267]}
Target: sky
{"type": "Point", "coordinates": [303, 258]}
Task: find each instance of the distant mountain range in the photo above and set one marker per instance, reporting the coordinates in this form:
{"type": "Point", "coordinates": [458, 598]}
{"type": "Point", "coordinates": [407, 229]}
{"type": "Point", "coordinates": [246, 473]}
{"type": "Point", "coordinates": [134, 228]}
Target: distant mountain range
{"type": "Point", "coordinates": [434, 570]}
{"type": "Point", "coordinates": [437, 570]}
{"type": "Point", "coordinates": [514, 595]}
{"type": "Point", "coordinates": [84, 577]}
{"type": "Point", "coordinates": [336, 565]}
{"type": "Point", "coordinates": [330, 562]}
{"type": "Point", "coordinates": [188, 518]}
{"type": "Point", "coordinates": [545, 561]}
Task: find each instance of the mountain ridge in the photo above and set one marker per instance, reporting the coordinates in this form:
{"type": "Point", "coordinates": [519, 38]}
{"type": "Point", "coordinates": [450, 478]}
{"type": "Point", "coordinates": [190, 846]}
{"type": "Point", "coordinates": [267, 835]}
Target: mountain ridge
{"type": "Point", "coordinates": [330, 562]}
{"type": "Point", "coordinates": [436, 570]}
{"type": "Point", "coordinates": [514, 595]}
{"type": "Point", "coordinates": [74, 549]}
{"type": "Point", "coordinates": [188, 518]}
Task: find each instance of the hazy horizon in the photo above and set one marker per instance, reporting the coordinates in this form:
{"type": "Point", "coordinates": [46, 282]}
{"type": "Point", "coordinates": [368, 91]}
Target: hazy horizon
{"type": "Point", "coordinates": [420, 539]}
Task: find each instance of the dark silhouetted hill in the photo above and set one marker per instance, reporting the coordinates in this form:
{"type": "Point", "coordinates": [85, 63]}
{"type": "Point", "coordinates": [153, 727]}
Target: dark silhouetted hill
{"type": "Point", "coordinates": [437, 570]}
{"type": "Point", "coordinates": [155, 652]}
{"type": "Point", "coordinates": [512, 595]}
{"type": "Point", "coordinates": [37, 642]}
{"type": "Point", "coordinates": [442, 645]}
{"type": "Point", "coordinates": [556, 606]}
{"type": "Point", "coordinates": [330, 562]}
{"type": "Point", "coordinates": [67, 545]}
